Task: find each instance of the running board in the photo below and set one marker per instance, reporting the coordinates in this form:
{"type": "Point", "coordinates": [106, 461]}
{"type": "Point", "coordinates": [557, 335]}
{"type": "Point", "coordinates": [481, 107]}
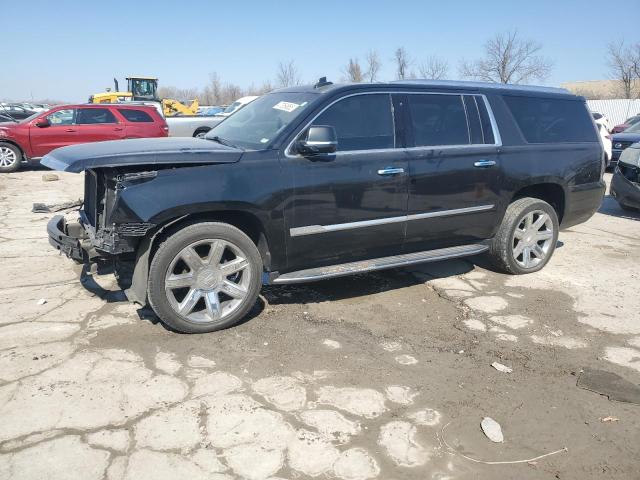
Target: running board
{"type": "Point", "coordinates": [320, 273]}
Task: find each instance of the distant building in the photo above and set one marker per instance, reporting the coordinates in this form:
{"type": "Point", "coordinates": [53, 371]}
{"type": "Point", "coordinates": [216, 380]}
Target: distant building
{"type": "Point", "coordinates": [599, 89]}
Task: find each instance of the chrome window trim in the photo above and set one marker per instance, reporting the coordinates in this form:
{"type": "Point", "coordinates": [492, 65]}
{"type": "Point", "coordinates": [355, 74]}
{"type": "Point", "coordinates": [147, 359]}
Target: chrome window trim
{"type": "Point", "coordinates": [466, 118]}
{"type": "Point", "coordinates": [494, 126]}
{"type": "Point", "coordinates": [497, 138]}
{"type": "Point", "coordinates": [315, 229]}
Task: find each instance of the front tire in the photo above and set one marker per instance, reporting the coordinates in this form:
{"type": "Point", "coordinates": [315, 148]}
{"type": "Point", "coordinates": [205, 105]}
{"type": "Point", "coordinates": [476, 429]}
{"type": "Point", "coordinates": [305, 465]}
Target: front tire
{"type": "Point", "coordinates": [526, 238]}
{"type": "Point", "coordinates": [10, 157]}
{"type": "Point", "coordinates": [205, 277]}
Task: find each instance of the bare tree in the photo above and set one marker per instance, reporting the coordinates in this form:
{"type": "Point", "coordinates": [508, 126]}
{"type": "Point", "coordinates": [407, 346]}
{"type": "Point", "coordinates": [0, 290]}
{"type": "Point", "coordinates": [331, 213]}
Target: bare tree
{"type": "Point", "coordinates": [435, 68]}
{"type": "Point", "coordinates": [211, 91]}
{"type": "Point", "coordinates": [403, 62]}
{"type": "Point", "coordinates": [624, 64]}
{"type": "Point", "coordinates": [180, 94]}
{"type": "Point", "coordinates": [353, 71]}
{"type": "Point", "coordinates": [288, 74]}
{"type": "Point", "coordinates": [266, 87]}
{"type": "Point", "coordinates": [508, 59]}
{"type": "Point", "coordinates": [373, 66]}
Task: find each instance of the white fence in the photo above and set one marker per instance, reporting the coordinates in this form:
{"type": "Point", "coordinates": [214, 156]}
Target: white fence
{"type": "Point", "coordinates": [617, 110]}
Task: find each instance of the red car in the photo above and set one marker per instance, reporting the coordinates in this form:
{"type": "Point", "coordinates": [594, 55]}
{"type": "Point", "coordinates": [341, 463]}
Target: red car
{"type": "Point", "coordinates": [37, 135]}
{"type": "Point", "coordinates": [629, 122]}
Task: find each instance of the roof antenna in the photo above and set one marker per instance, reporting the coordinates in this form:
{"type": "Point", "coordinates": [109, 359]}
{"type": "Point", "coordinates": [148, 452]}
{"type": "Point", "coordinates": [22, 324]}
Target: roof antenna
{"type": "Point", "coordinates": [322, 82]}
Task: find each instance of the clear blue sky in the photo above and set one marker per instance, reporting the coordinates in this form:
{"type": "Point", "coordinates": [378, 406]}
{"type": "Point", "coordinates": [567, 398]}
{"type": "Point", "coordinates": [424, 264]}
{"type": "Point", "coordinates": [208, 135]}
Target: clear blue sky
{"type": "Point", "coordinates": [69, 49]}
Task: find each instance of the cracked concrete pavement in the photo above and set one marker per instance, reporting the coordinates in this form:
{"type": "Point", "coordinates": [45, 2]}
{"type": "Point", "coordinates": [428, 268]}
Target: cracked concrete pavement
{"type": "Point", "coordinates": [353, 378]}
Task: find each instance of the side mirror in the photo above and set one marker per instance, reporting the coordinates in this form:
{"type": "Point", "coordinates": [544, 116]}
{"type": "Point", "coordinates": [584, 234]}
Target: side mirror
{"type": "Point", "coordinates": [320, 139]}
{"type": "Point", "coordinates": [42, 123]}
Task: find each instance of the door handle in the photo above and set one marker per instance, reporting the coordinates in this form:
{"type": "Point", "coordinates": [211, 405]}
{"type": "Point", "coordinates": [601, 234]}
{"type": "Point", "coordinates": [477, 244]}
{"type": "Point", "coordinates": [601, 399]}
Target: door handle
{"type": "Point", "coordinates": [484, 163]}
{"type": "Point", "coordinates": [118, 129]}
{"type": "Point", "coordinates": [70, 130]}
{"type": "Point", "coordinates": [390, 171]}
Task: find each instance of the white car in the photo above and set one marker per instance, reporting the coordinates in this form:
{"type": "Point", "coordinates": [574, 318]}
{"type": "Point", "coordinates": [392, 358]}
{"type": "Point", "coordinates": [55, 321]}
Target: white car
{"type": "Point", "coordinates": [235, 106]}
{"type": "Point", "coordinates": [606, 141]}
{"type": "Point", "coordinates": [602, 119]}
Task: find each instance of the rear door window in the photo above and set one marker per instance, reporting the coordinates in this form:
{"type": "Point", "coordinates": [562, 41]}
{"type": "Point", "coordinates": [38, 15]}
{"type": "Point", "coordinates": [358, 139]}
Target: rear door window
{"type": "Point", "coordinates": [90, 116]}
{"type": "Point", "coordinates": [552, 120]}
{"type": "Point", "coordinates": [362, 122]}
{"type": "Point", "coordinates": [438, 120]}
{"type": "Point", "coordinates": [136, 116]}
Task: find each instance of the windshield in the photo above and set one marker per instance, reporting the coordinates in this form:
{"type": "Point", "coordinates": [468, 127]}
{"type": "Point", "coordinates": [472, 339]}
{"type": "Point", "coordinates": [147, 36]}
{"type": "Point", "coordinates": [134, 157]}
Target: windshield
{"type": "Point", "coordinates": [634, 128]}
{"type": "Point", "coordinates": [231, 107]}
{"type": "Point", "coordinates": [257, 124]}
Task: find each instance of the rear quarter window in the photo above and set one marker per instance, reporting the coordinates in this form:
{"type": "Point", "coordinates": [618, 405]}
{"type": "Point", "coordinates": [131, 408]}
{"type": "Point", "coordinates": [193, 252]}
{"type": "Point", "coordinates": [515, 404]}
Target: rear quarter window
{"type": "Point", "coordinates": [136, 116]}
{"type": "Point", "coordinates": [552, 120]}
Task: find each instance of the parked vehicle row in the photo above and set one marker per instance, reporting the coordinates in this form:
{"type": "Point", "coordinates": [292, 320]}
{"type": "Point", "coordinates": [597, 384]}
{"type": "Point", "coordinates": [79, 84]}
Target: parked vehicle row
{"type": "Point", "coordinates": [198, 125]}
{"type": "Point", "coordinates": [629, 122]}
{"type": "Point", "coordinates": [35, 136]}
{"type": "Point", "coordinates": [625, 184]}
{"type": "Point", "coordinates": [623, 140]}
{"type": "Point", "coordinates": [313, 182]}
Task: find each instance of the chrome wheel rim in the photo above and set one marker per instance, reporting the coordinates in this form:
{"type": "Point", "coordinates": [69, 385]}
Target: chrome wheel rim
{"type": "Point", "coordinates": [532, 239]}
{"type": "Point", "coordinates": [7, 157]}
{"type": "Point", "coordinates": [207, 281]}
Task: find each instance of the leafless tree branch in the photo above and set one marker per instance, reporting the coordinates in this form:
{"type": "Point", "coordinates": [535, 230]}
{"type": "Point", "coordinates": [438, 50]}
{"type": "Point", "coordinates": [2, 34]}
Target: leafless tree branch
{"type": "Point", "coordinates": [353, 71]}
{"type": "Point", "coordinates": [508, 59]}
{"type": "Point", "coordinates": [624, 67]}
{"type": "Point", "coordinates": [434, 68]}
{"type": "Point", "coordinates": [403, 63]}
{"type": "Point", "coordinates": [373, 66]}
{"type": "Point", "coordinates": [288, 75]}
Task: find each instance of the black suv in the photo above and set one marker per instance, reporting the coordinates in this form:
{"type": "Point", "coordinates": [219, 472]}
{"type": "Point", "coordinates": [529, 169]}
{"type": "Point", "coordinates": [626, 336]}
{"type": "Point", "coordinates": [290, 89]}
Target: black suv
{"type": "Point", "coordinates": [308, 183]}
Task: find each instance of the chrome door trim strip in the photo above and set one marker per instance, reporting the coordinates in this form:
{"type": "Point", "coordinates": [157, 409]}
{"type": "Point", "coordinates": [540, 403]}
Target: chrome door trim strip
{"type": "Point", "coordinates": [315, 229]}
{"type": "Point", "coordinates": [446, 213]}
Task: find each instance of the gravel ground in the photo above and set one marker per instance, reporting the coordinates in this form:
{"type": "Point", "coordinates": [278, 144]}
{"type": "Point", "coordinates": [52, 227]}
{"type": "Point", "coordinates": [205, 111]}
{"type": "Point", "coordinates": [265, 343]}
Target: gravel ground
{"type": "Point", "coordinates": [384, 375]}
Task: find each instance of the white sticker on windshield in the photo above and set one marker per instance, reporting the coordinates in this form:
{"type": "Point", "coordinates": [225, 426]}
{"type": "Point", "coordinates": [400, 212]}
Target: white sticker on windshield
{"type": "Point", "coordinates": [286, 106]}
{"type": "Point", "coordinates": [264, 140]}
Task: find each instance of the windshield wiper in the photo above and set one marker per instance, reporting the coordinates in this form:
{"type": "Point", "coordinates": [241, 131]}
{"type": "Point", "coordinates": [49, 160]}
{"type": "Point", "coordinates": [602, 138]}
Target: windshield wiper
{"type": "Point", "coordinates": [222, 141]}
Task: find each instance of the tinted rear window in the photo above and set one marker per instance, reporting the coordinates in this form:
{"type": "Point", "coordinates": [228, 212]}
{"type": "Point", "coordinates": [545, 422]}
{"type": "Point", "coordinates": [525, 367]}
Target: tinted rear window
{"type": "Point", "coordinates": [89, 116]}
{"type": "Point", "coordinates": [438, 120]}
{"type": "Point", "coordinates": [552, 120]}
{"type": "Point", "coordinates": [136, 116]}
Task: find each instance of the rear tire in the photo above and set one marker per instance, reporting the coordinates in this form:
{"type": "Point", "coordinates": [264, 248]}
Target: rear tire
{"type": "Point", "coordinates": [205, 277]}
{"type": "Point", "coordinates": [526, 238]}
{"type": "Point", "coordinates": [10, 157]}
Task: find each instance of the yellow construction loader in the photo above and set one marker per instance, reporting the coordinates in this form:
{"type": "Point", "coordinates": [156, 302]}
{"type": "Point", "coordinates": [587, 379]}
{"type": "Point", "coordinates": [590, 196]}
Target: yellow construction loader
{"type": "Point", "coordinates": [144, 89]}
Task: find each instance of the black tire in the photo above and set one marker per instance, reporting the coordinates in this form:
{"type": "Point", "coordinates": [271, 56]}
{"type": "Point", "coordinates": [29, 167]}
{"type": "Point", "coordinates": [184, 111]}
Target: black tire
{"type": "Point", "coordinates": [501, 250]}
{"type": "Point", "coordinates": [18, 158]}
{"type": "Point", "coordinates": [201, 132]}
{"type": "Point", "coordinates": [169, 250]}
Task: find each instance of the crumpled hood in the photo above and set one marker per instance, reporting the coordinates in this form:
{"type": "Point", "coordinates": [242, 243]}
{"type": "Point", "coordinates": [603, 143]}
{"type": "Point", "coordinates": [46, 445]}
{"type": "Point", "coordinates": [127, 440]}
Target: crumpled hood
{"type": "Point", "coordinates": [631, 155]}
{"type": "Point", "coordinates": [143, 151]}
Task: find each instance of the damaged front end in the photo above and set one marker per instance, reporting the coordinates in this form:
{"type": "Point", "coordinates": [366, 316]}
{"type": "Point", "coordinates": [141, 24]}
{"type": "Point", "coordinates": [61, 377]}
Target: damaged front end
{"type": "Point", "coordinates": [625, 184]}
{"type": "Point", "coordinates": [105, 227]}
